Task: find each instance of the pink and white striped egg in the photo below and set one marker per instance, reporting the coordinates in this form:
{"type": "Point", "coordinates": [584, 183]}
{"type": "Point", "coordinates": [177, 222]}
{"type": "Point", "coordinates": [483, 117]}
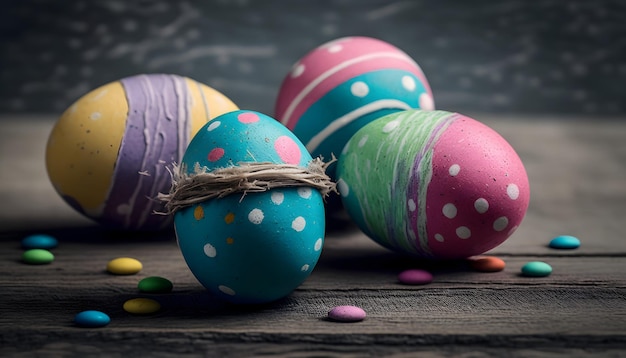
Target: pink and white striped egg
{"type": "Point", "coordinates": [344, 84]}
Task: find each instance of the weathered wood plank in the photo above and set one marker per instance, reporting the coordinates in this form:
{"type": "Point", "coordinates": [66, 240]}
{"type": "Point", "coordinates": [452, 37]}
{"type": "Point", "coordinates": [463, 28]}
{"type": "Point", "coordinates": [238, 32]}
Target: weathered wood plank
{"type": "Point", "coordinates": [353, 263]}
{"type": "Point", "coordinates": [199, 344]}
{"type": "Point", "coordinates": [584, 296]}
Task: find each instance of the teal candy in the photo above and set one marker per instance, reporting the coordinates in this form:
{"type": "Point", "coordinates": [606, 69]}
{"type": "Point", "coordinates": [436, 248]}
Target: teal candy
{"type": "Point", "coordinates": [536, 269]}
{"type": "Point", "coordinates": [39, 241]}
{"type": "Point", "coordinates": [259, 247]}
{"type": "Point", "coordinates": [565, 242]}
{"type": "Point", "coordinates": [92, 319]}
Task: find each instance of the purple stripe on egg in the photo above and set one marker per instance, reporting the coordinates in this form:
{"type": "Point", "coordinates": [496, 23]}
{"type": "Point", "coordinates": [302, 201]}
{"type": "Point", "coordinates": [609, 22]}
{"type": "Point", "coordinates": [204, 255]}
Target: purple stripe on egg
{"type": "Point", "coordinates": [157, 132]}
{"type": "Point", "coordinates": [421, 168]}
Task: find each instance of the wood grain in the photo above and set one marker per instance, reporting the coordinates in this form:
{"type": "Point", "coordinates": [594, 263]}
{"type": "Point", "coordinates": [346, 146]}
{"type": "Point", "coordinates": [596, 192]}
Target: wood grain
{"type": "Point", "coordinates": [579, 310]}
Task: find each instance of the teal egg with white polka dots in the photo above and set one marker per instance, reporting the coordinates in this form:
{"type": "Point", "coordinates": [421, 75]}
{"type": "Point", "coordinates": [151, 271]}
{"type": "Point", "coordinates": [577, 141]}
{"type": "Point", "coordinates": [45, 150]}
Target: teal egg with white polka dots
{"type": "Point", "coordinates": [258, 247]}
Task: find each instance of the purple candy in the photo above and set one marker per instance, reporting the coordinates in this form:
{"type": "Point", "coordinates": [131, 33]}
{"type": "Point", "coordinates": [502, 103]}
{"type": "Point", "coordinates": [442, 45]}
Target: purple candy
{"type": "Point", "coordinates": [347, 314]}
{"type": "Point", "coordinates": [415, 277]}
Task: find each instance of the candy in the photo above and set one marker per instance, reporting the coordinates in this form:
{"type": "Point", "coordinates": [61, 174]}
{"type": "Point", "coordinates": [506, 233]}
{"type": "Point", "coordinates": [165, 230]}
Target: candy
{"type": "Point", "coordinates": [486, 263]}
{"type": "Point", "coordinates": [108, 155]}
{"type": "Point", "coordinates": [565, 242]}
{"type": "Point", "coordinates": [433, 184]}
{"type": "Point", "coordinates": [92, 319]}
{"type": "Point", "coordinates": [37, 256]}
{"type": "Point", "coordinates": [344, 84]}
{"type": "Point", "coordinates": [124, 266]}
{"type": "Point", "coordinates": [39, 241]}
{"type": "Point", "coordinates": [536, 269]}
{"type": "Point", "coordinates": [155, 284]}
{"type": "Point", "coordinates": [141, 306]}
{"type": "Point", "coordinates": [415, 277]}
{"type": "Point", "coordinates": [347, 314]}
{"type": "Point", "coordinates": [257, 247]}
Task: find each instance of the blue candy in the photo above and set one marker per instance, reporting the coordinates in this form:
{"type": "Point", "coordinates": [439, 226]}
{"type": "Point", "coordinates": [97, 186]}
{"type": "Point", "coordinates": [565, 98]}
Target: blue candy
{"type": "Point", "coordinates": [536, 269]}
{"type": "Point", "coordinates": [92, 319]}
{"type": "Point", "coordinates": [564, 242]}
{"type": "Point", "coordinates": [39, 241]}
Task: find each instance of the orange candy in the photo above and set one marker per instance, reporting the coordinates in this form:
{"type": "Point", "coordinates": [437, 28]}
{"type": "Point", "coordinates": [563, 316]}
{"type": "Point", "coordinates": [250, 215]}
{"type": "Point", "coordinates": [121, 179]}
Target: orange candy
{"type": "Point", "coordinates": [486, 263]}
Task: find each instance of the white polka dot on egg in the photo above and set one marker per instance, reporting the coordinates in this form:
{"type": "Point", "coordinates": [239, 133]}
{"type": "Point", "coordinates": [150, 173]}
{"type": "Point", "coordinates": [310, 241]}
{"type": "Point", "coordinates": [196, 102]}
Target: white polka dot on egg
{"type": "Point", "coordinates": [411, 205]}
{"type": "Point", "coordinates": [512, 191]}
{"type": "Point", "coordinates": [449, 211]}
{"type": "Point", "coordinates": [408, 83]}
{"type": "Point", "coordinates": [298, 224]}
{"type": "Point", "coordinates": [426, 102]}
{"type": "Point", "coordinates": [227, 290]}
{"type": "Point", "coordinates": [362, 141]}
{"type": "Point", "coordinates": [359, 89]}
{"type": "Point", "coordinates": [501, 223]}
{"type": "Point", "coordinates": [481, 205]}
{"type": "Point", "coordinates": [454, 170]}
{"type": "Point", "coordinates": [335, 48]}
{"type": "Point", "coordinates": [214, 125]}
{"type": "Point", "coordinates": [463, 232]}
{"type": "Point", "coordinates": [210, 250]}
{"type": "Point", "coordinates": [318, 244]}
{"type": "Point", "coordinates": [343, 188]}
{"type": "Point", "coordinates": [256, 216]}
{"type": "Point", "coordinates": [390, 126]}
{"type": "Point", "coordinates": [304, 192]}
{"type": "Point", "coordinates": [277, 197]}
{"type": "Point", "coordinates": [297, 71]}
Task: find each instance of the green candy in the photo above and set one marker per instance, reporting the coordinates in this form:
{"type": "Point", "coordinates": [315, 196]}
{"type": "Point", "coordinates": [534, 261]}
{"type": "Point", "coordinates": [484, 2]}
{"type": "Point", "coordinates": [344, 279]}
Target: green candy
{"type": "Point", "coordinates": [37, 257]}
{"type": "Point", "coordinates": [155, 284]}
{"type": "Point", "coordinates": [536, 269]}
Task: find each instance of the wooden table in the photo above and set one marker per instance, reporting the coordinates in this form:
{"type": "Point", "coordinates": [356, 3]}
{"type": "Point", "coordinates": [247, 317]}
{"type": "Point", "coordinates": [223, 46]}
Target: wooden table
{"type": "Point", "coordinates": [577, 171]}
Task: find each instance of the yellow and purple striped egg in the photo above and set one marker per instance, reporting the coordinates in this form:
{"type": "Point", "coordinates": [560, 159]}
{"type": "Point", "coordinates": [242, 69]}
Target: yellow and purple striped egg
{"type": "Point", "coordinates": [344, 84]}
{"type": "Point", "coordinates": [107, 155]}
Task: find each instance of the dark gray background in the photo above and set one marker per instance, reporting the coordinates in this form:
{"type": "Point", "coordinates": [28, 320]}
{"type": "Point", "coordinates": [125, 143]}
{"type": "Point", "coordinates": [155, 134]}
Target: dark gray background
{"type": "Point", "coordinates": [511, 56]}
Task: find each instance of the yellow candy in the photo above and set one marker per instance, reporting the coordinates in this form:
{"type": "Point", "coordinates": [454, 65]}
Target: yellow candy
{"type": "Point", "coordinates": [141, 306]}
{"type": "Point", "coordinates": [124, 266]}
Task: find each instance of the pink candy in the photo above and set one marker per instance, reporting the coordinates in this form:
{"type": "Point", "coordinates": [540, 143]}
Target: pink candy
{"type": "Point", "coordinates": [415, 277]}
{"type": "Point", "coordinates": [347, 314]}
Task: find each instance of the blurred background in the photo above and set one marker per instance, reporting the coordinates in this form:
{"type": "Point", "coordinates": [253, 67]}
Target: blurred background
{"type": "Point", "coordinates": [508, 56]}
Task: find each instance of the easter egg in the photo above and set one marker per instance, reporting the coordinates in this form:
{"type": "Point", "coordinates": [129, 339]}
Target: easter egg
{"type": "Point", "coordinates": [344, 84]}
{"type": "Point", "coordinates": [255, 247]}
{"type": "Point", "coordinates": [107, 155]}
{"type": "Point", "coordinates": [433, 184]}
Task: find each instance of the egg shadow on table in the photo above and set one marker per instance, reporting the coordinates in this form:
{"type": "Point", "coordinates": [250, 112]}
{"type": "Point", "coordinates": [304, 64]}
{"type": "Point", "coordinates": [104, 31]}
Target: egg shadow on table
{"type": "Point", "coordinates": [95, 233]}
{"type": "Point", "coordinates": [202, 304]}
{"type": "Point", "coordinates": [385, 261]}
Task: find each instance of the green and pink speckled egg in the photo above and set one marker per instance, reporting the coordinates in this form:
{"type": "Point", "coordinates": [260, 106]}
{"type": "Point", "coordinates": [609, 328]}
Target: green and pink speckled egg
{"type": "Point", "coordinates": [433, 184]}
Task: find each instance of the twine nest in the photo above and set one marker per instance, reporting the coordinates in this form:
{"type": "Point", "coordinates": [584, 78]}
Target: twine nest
{"type": "Point", "coordinates": [246, 177]}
